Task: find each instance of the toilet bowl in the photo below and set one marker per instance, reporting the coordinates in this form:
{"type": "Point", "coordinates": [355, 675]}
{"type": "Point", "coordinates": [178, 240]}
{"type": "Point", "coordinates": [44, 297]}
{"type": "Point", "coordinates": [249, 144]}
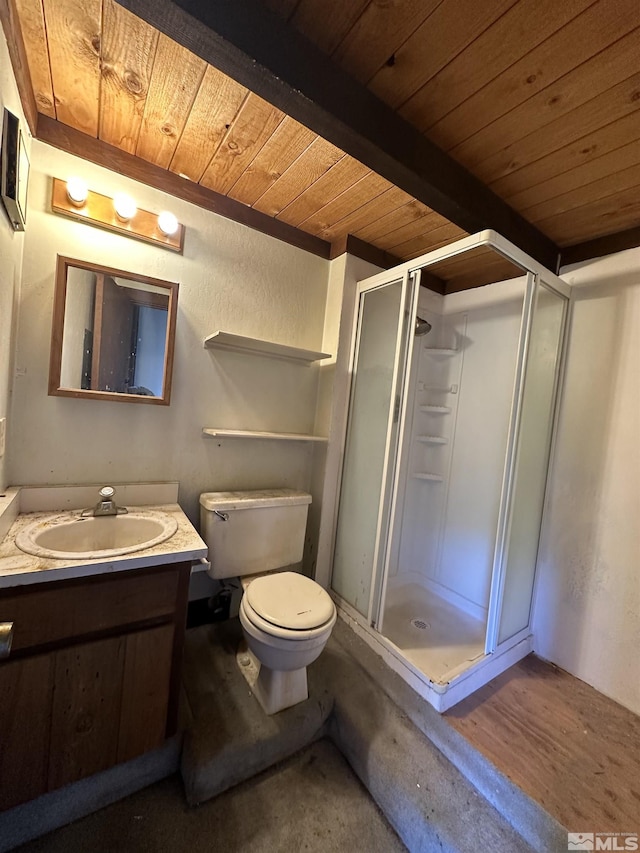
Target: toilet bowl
{"type": "Point", "coordinates": [286, 619]}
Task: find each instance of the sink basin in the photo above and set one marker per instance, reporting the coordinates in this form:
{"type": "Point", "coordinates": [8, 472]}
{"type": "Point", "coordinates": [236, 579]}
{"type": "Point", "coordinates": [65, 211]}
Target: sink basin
{"type": "Point", "coordinates": [69, 536]}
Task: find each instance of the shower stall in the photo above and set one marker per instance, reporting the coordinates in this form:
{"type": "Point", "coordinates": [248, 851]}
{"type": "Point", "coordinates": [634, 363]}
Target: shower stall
{"type": "Point", "coordinates": [449, 433]}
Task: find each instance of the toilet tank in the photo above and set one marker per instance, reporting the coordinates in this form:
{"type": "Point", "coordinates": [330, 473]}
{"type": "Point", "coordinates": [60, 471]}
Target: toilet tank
{"type": "Point", "coordinates": [264, 530]}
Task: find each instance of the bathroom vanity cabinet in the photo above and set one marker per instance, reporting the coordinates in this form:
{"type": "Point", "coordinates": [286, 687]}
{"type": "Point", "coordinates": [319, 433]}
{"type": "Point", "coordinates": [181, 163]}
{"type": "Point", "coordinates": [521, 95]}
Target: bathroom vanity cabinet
{"type": "Point", "coordinates": [93, 676]}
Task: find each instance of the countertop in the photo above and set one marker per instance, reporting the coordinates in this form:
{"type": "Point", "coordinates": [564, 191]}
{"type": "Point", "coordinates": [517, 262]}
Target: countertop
{"type": "Point", "coordinates": [20, 569]}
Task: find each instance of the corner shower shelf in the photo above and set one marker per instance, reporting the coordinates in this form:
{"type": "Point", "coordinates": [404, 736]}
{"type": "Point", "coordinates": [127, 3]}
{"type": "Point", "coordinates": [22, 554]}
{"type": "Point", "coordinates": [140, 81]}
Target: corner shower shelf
{"type": "Point", "coordinates": [441, 351]}
{"type": "Point", "coordinates": [214, 432]}
{"type": "Point", "coordinates": [432, 439]}
{"type": "Point", "coordinates": [441, 410]}
{"type": "Point", "coordinates": [240, 343]}
{"type": "Point", "coordinates": [425, 476]}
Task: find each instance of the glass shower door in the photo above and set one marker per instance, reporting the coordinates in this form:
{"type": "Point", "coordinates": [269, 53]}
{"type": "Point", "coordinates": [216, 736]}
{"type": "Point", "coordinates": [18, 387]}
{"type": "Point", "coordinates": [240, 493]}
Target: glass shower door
{"type": "Point", "coordinates": [382, 338]}
{"type": "Point", "coordinates": [513, 582]}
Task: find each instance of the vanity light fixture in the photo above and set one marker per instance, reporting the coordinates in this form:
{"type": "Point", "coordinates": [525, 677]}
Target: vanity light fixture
{"type": "Point", "coordinates": [167, 223]}
{"type": "Point", "coordinates": [124, 206]}
{"type": "Point", "coordinates": [118, 214]}
{"type": "Point", "coordinates": [77, 191]}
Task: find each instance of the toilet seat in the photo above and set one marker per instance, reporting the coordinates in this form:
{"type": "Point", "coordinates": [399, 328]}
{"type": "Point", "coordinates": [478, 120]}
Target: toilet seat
{"type": "Point", "coordinates": [288, 605]}
{"type": "Point", "coordinates": [278, 632]}
{"type": "Point", "coordinates": [290, 600]}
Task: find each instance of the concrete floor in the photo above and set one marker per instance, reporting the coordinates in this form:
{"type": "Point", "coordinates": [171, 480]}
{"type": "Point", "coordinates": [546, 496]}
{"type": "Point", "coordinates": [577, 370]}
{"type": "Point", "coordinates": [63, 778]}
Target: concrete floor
{"type": "Point", "coordinates": [311, 802]}
{"type": "Point", "coordinates": [435, 790]}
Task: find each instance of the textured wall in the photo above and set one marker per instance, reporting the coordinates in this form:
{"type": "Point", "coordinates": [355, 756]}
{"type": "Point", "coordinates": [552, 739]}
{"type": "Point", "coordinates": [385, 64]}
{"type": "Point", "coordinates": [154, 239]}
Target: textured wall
{"type": "Point", "coordinates": [587, 611]}
{"type": "Point", "coordinates": [231, 278]}
{"type": "Point", "coordinates": [11, 244]}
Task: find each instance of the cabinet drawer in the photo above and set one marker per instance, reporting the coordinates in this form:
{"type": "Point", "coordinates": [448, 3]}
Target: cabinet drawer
{"type": "Point", "coordinates": [54, 612]}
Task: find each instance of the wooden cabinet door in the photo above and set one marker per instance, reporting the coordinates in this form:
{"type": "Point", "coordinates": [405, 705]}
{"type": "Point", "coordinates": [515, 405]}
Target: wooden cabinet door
{"type": "Point", "coordinates": [25, 715]}
{"type": "Point", "coordinates": [84, 704]}
{"type": "Point", "coordinates": [110, 702]}
{"type": "Point", "coordinates": [85, 713]}
{"type": "Point", "coordinates": [145, 691]}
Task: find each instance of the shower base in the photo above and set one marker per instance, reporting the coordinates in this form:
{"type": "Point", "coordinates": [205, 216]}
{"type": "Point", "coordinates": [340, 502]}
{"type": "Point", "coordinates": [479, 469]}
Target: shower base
{"type": "Point", "coordinates": [474, 668]}
{"type": "Point", "coordinates": [434, 635]}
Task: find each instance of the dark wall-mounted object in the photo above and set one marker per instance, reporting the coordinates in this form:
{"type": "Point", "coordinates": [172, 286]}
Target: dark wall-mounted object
{"type": "Point", "coordinates": [15, 171]}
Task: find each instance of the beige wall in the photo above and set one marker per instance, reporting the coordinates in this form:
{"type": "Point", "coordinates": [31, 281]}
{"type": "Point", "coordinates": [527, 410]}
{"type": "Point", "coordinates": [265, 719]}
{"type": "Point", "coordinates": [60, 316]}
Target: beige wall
{"type": "Point", "coordinates": [11, 244]}
{"type": "Point", "coordinates": [231, 278]}
{"type": "Point", "coordinates": [587, 610]}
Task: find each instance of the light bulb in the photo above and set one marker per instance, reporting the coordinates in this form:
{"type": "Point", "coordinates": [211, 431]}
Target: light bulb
{"type": "Point", "coordinates": [77, 191]}
{"type": "Point", "coordinates": [167, 223]}
{"type": "Point", "coordinates": [125, 206]}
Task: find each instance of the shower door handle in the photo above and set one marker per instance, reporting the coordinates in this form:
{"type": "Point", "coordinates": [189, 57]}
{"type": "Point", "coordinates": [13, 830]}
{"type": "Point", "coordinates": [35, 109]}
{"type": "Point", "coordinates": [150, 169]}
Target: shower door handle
{"type": "Point", "coordinates": [396, 410]}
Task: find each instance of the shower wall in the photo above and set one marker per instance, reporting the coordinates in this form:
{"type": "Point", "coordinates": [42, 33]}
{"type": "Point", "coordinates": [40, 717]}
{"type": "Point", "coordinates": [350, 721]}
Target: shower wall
{"type": "Point", "coordinates": [456, 437]}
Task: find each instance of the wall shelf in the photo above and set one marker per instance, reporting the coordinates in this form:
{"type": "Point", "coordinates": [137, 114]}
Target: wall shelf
{"type": "Point", "coordinates": [436, 478]}
{"type": "Point", "coordinates": [432, 439]}
{"type": "Point", "coordinates": [441, 351]}
{"type": "Point", "coordinates": [240, 343]}
{"type": "Point", "coordinates": [440, 389]}
{"type": "Point", "coordinates": [440, 410]}
{"type": "Point", "coordinates": [214, 432]}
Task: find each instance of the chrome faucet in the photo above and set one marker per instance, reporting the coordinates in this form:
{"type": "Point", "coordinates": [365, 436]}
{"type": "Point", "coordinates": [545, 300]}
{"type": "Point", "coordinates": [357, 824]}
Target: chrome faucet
{"type": "Point", "coordinates": [106, 505]}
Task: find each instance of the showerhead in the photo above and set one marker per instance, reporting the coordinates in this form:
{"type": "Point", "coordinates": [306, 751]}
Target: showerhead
{"type": "Point", "coordinates": [423, 327]}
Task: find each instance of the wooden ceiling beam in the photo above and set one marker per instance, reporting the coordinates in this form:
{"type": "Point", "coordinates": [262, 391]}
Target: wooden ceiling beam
{"type": "Point", "coordinates": [18, 55]}
{"type": "Point", "coordinates": [67, 139]}
{"type": "Point", "coordinates": [249, 43]}
{"type": "Point", "coordinates": [365, 251]}
{"type": "Point", "coordinates": [381, 258]}
{"type": "Point", "coordinates": [600, 246]}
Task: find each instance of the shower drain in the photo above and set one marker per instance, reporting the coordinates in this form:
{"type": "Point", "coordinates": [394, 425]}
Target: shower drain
{"type": "Point", "coordinates": [420, 623]}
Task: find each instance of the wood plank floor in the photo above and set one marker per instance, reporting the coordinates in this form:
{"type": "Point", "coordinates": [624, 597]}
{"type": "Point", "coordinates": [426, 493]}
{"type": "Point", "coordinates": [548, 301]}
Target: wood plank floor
{"type": "Point", "coordinates": [569, 747]}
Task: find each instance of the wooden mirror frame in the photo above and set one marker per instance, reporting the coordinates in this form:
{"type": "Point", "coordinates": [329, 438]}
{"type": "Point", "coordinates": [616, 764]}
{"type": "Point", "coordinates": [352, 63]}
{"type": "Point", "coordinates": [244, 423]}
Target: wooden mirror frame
{"type": "Point", "coordinates": [57, 333]}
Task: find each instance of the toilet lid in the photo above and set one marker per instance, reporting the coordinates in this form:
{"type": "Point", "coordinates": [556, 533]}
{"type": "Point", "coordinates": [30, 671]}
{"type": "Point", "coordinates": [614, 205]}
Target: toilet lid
{"type": "Point", "coordinates": [290, 600]}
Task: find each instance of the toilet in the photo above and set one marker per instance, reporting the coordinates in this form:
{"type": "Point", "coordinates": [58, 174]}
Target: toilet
{"type": "Point", "coordinates": [286, 617]}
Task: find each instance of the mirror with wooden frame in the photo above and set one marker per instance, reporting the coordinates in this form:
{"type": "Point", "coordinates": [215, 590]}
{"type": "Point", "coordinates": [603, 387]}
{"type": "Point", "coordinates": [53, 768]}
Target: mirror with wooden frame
{"type": "Point", "coordinates": [113, 334]}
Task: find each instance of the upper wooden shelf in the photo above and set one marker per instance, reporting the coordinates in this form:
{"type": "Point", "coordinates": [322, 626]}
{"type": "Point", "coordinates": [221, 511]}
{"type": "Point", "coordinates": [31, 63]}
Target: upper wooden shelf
{"type": "Point", "coordinates": [240, 343]}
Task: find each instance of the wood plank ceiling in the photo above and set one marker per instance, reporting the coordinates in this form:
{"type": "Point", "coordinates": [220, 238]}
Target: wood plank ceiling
{"type": "Point", "coordinates": [537, 98]}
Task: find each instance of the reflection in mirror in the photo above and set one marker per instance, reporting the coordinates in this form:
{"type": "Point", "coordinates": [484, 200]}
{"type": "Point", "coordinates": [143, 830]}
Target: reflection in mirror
{"type": "Point", "coordinates": [113, 334]}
